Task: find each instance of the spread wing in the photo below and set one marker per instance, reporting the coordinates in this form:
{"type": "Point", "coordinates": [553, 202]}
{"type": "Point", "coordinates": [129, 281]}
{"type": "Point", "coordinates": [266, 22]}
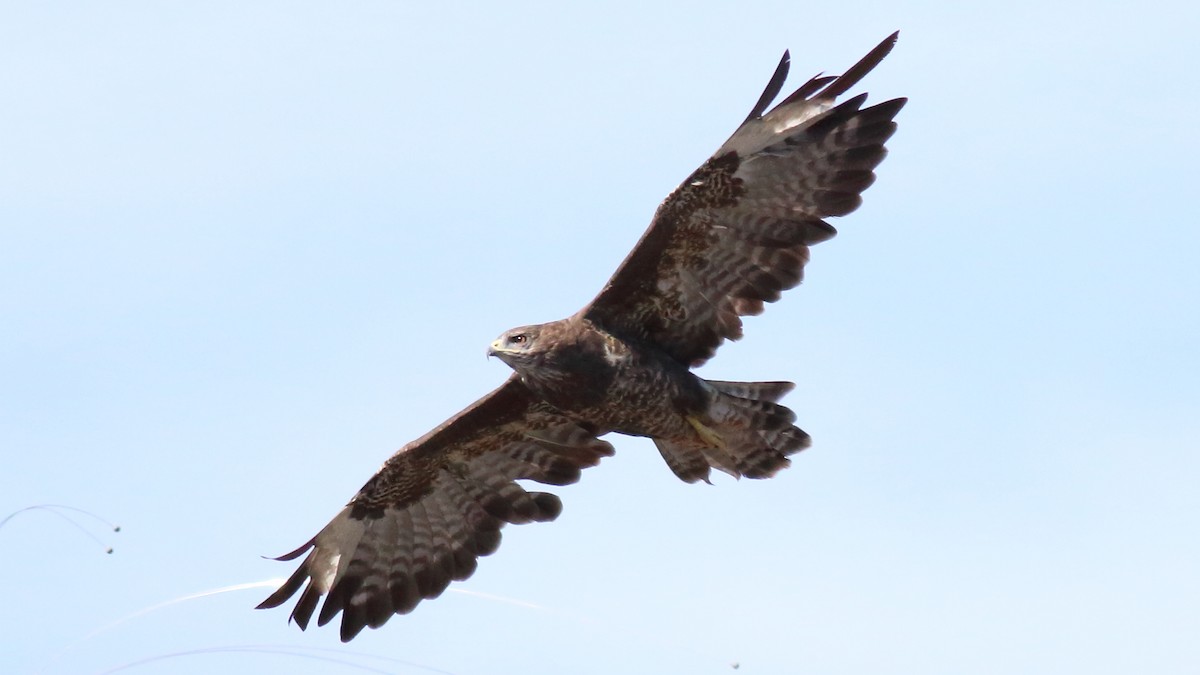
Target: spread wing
{"type": "Point", "coordinates": [435, 507]}
{"type": "Point", "coordinates": [736, 233]}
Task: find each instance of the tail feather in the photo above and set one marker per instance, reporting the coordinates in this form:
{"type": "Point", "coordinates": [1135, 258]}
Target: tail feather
{"type": "Point", "coordinates": [754, 434]}
{"type": "Point", "coordinates": [685, 461]}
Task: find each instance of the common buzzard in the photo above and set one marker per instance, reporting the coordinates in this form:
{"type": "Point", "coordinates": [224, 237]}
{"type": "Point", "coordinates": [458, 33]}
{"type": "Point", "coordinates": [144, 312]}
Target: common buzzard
{"type": "Point", "coordinates": [733, 236]}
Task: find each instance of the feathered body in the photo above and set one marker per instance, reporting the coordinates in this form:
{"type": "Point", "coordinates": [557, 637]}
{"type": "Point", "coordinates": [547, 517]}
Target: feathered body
{"type": "Point", "coordinates": [610, 383]}
{"type": "Point", "coordinates": [731, 237]}
{"type": "Point", "coordinates": [600, 379]}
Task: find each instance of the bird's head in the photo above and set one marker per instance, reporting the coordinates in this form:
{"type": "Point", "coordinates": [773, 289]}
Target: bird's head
{"type": "Point", "coordinates": [517, 346]}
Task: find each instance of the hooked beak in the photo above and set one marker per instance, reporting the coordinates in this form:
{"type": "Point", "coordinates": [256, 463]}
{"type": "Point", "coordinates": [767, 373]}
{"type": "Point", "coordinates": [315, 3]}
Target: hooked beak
{"type": "Point", "coordinates": [495, 349]}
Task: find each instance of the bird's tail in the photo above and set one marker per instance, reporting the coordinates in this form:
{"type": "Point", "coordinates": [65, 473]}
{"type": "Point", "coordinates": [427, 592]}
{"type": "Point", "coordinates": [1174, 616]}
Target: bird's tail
{"type": "Point", "coordinates": [744, 433]}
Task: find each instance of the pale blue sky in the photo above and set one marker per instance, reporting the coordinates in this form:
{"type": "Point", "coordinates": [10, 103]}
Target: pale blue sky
{"type": "Point", "coordinates": [249, 249]}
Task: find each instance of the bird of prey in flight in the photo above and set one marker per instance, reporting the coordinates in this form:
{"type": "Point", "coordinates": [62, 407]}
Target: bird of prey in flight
{"type": "Point", "coordinates": [733, 236]}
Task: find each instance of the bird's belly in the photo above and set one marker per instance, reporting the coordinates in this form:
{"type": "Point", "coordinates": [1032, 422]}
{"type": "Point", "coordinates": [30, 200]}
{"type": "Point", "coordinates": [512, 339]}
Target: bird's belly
{"type": "Point", "coordinates": [639, 402]}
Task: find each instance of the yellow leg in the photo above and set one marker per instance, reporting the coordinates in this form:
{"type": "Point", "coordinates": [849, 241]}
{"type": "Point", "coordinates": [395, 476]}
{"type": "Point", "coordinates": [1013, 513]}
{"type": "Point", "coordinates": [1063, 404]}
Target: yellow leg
{"type": "Point", "coordinates": [708, 435]}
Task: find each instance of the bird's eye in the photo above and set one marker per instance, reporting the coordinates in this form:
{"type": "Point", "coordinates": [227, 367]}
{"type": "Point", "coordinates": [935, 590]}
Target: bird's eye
{"type": "Point", "coordinates": [518, 339]}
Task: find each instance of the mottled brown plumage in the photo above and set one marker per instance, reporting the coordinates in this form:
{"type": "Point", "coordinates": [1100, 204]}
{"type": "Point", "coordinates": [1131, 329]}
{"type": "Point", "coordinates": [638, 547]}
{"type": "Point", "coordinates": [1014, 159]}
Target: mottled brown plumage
{"type": "Point", "coordinates": [733, 236]}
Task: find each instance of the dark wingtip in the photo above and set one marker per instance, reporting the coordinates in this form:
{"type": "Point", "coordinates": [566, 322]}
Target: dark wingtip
{"type": "Point", "coordinates": [350, 629]}
{"type": "Point", "coordinates": [295, 554]}
{"type": "Point", "coordinates": [773, 88]}
{"type": "Point", "coordinates": [808, 89]}
{"type": "Point", "coordinates": [894, 106]}
{"type": "Point", "coordinates": [836, 85]}
{"type": "Point", "coordinates": [287, 590]}
{"type": "Point", "coordinates": [859, 70]}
